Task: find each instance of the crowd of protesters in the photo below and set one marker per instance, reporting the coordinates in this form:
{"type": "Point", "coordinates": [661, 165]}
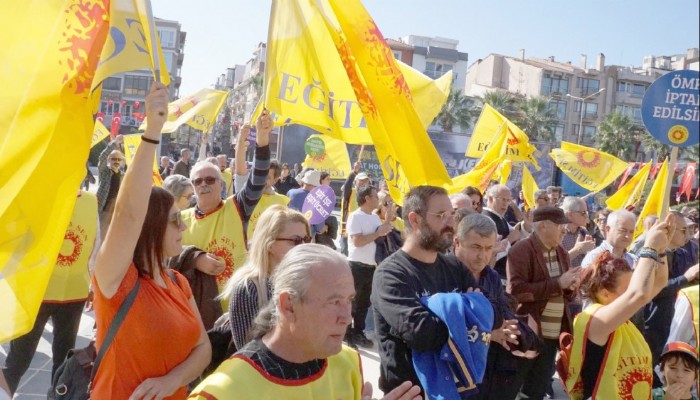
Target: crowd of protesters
{"type": "Point", "coordinates": [472, 294]}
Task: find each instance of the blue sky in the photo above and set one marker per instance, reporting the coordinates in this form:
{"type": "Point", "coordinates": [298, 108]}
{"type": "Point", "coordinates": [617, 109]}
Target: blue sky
{"type": "Point", "coordinates": [222, 33]}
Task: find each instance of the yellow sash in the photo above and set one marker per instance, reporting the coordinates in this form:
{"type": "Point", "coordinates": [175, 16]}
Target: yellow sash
{"type": "Point", "coordinates": [236, 378]}
{"type": "Point", "coordinates": [626, 372]}
{"type": "Point", "coordinates": [352, 206]}
{"type": "Point", "coordinates": [220, 233]}
{"type": "Point", "coordinates": [70, 279]}
{"type": "Point", "coordinates": [691, 293]}
{"type": "Point", "coordinates": [266, 201]}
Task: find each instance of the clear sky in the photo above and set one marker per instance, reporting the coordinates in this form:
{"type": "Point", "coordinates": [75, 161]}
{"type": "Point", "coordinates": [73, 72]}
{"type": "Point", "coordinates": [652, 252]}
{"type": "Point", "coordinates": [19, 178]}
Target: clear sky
{"type": "Point", "coordinates": [222, 33]}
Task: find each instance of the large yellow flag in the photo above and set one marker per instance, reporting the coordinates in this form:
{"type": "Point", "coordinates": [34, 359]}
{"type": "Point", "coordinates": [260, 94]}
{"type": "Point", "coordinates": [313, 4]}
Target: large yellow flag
{"type": "Point", "coordinates": [327, 154]}
{"type": "Point", "coordinates": [306, 83]}
{"type": "Point", "coordinates": [486, 168]}
{"type": "Point", "coordinates": [99, 133]}
{"type": "Point", "coordinates": [488, 125]}
{"type": "Point", "coordinates": [529, 188]}
{"type": "Point", "coordinates": [129, 46]}
{"type": "Point", "coordinates": [311, 32]}
{"type": "Point", "coordinates": [631, 192]}
{"type": "Point", "coordinates": [590, 168]}
{"type": "Point", "coordinates": [131, 143]}
{"type": "Point", "coordinates": [198, 110]}
{"type": "Point", "coordinates": [50, 52]}
{"type": "Point", "coordinates": [652, 205]}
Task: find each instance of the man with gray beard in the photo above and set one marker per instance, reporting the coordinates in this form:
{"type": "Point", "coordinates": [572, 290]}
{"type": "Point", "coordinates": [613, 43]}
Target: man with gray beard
{"type": "Point", "coordinates": [418, 269]}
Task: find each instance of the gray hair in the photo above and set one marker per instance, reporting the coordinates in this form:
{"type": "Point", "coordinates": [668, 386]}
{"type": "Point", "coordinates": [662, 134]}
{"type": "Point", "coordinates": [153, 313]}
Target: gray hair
{"type": "Point", "coordinates": [457, 197]}
{"type": "Point", "coordinates": [203, 164]}
{"type": "Point", "coordinates": [539, 193]}
{"type": "Point", "coordinates": [620, 215]}
{"type": "Point", "coordinates": [293, 276]}
{"type": "Point", "coordinates": [650, 220]}
{"type": "Point", "coordinates": [481, 224]}
{"type": "Point", "coordinates": [495, 189]}
{"type": "Point", "coordinates": [573, 203]}
{"type": "Point", "coordinates": [176, 185]}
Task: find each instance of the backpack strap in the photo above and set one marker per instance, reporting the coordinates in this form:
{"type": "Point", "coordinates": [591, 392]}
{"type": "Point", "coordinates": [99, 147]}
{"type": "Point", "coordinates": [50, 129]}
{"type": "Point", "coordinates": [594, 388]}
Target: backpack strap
{"type": "Point", "coordinates": [114, 327]}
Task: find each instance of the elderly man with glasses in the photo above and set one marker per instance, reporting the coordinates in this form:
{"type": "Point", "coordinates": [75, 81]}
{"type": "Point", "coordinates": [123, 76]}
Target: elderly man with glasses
{"type": "Point", "coordinates": [498, 199]}
{"type": "Point", "coordinates": [218, 226]}
{"type": "Point", "coordinates": [110, 178]}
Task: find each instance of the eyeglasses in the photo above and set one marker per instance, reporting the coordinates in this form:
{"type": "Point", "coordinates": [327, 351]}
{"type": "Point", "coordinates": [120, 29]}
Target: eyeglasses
{"type": "Point", "coordinates": [297, 240]}
{"type": "Point", "coordinates": [115, 159]}
{"type": "Point", "coordinates": [506, 199]}
{"type": "Point", "coordinates": [209, 180]}
{"type": "Point", "coordinates": [176, 219]}
{"type": "Point", "coordinates": [444, 215]}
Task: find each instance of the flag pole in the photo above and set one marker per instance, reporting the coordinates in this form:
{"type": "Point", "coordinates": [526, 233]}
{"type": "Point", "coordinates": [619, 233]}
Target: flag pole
{"type": "Point", "coordinates": [669, 180]}
{"type": "Point", "coordinates": [154, 45]}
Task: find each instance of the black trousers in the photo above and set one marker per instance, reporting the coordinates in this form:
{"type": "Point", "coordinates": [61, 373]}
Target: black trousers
{"type": "Point", "coordinates": [66, 320]}
{"type": "Point", "coordinates": [537, 376]}
{"type": "Point", "coordinates": [363, 274]}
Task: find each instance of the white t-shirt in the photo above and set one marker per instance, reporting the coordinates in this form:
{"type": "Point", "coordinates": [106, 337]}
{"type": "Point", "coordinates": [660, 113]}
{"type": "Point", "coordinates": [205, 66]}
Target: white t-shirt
{"type": "Point", "coordinates": [359, 222]}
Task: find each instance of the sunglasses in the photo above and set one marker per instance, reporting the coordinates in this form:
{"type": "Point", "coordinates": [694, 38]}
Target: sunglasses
{"type": "Point", "coordinates": [176, 219]}
{"type": "Point", "coordinates": [209, 180]}
{"type": "Point", "coordinates": [297, 240]}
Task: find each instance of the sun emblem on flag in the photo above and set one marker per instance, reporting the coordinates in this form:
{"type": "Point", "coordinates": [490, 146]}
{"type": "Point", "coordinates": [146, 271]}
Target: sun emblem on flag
{"type": "Point", "coordinates": [588, 159]}
{"type": "Point", "coordinates": [85, 25]}
{"type": "Point", "coordinates": [364, 98]}
{"type": "Point", "coordinates": [635, 384]}
{"type": "Point", "coordinates": [70, 240]}
{"type": "Point", "coordinates": [512, 139]}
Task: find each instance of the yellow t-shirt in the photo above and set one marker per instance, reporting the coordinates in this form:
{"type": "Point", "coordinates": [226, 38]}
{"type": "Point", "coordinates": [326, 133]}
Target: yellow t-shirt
{"type": "Point", "coordinates": [70, 279]}
{"type": "Point", "coordinates": [239, 378]}
{"type": "Point", "coordinates": [627, 373]}
{"type": "Point", "coordinates": [265, 202]}
{"type": "Point", "coordinates": [220, 233]}
{"type": "Point", "coordinates": [352, 206]}
{"type": "Point", "coordinates": [228, 178]}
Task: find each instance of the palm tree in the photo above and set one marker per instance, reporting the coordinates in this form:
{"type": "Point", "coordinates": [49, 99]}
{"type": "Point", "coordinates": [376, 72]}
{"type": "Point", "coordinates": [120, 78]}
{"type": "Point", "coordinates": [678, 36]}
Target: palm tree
{"type": "Point", "coordinates": [617, 135]}
{"type": "Point", "coordinates": [537, 119]}
{"type": "Point", "coordinates": [504, 102]}
{"type": "Point", "coordinates": [662, 151]}
{"type": "Point", "coordinates": [458, 110]}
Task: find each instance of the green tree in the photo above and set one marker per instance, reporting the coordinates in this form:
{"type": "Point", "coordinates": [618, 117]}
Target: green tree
{"type": "Point", "coordinates": [537, 119]}
{"type": "Point", "coordinates": [458, 110]}
{"type": "Point", "coordinates": [504, 102]}
{"type": "Point", "coordinates": [653, 146]}
{"type": "Point", "coordinates": [617, 135]}
{"type": "Point", "coordinates": [257, 82]}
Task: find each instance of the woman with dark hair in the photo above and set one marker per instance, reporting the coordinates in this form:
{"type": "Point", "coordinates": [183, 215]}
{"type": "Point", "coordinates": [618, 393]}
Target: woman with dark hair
{"type": "Point", "coordinates": [476, 196]}
{"type": "Point", "coordinates": [610, 358]}
{"type": "Point", "coordinates": [161, 344]}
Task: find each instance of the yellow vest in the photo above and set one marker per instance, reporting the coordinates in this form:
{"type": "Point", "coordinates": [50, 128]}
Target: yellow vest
{"type": "Point", "coordinates": [70, 279]}
{"type": "Point", "coordinates": [691, 293]}
{"type": "Point", "coordinates": [220, 233]}
{"type": "Point", "coordinates": [229, 181]}
{"type": "Point", "coordinates": [266, 201]}
{"type": "Point", "coordinates": [237, 378]}
{"type": "Point", "coordinates": [627, 371]}
{"type": "Point", "coordinates": [352, 206]}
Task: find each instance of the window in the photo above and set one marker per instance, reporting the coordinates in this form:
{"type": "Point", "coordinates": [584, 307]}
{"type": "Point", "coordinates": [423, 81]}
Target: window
{"type": "Point", "coordinates": [397, 54]}
{"type": "Point", "coordinates": [168, 57]}
{"type": "Point", "coordinates": [634, 112]}
{"type": "Point", "coordinates": [587, 86]}
{"type": "Point", "coordinates": [639, 89]}
{"type": "Point", "coordinates": [112, 84]}
{"type": "Point", "coordinates": [108, 109]}
{"type": "Point", "coordinates": [636, 89]}
{"type": "Point", "coordinates": [559, 132]}
{"type": "Point", "coordinates": [167, 38]}
{"type": "Point", "coordinates": [590, 111]}
{"type": "Point", "coordinates": [135, 85]}
{"type": "Point", "coordinates": [559, 107]}
{"type": "Point", "coordinates": [587, 134]}
{"type": "Point", "coordinates": [436, 70]}
{"type": "Point", "coordinates": [553, 84]}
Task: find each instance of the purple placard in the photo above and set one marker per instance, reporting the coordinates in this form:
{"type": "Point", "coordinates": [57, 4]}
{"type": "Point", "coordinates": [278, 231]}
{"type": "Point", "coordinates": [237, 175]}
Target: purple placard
{"type": "Point", "coordinates": [252, 136]}
{"type": "Point", "coordinates": [318, 204]}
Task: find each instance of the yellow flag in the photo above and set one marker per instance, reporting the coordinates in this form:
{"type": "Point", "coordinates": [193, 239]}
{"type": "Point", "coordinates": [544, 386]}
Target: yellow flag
{"type": "Point", "coordinates": [489, 123]}
{"type": "Point", "coordinates": [652, 205]}
{"type": "Point", "coordinates": [131, 143]}
{"type": "Point", "coordinates": [504, 171]}
{"type": "Point", "coordinates": [590, 168]}
{"type": "Point", "coordinates": [486, 168]}
{"type": "Point", "coordinates": [327, 154]}
{"type": "Point", "coordinates": [198, 110]}
{"type": "Point", "coordinates": [529, 188]}
{"type": "Point", "coordinates": [631, 192]}
{"type": "Point", "coordinates": [99, 133]}
{"type": "Point", "coordinates": [337, 43]}
{"type": "Point", "coordinates": [306, 83]}
{"type": "Point", "coordinates": [129, 45]}
{"type": "Point", "coordinates": [50, 51]}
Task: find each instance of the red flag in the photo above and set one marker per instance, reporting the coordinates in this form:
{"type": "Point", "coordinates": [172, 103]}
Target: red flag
{"type": "Point", "coordinates": [654, 170]}
{"type": "Point", "coordinates": [100, 116]}
{"type": "Point", "coordinates": [122, 104]}
{"type": "Point", "coordinates": [109, 102]}
{"type": "Point", "coordinates": [697, 194]}
{"type": "Point", "coordinates": [116, 122]}
{"type": "Point", "coordinates": [626, 174]}
{"type": "Point", "coordinates": [687, 182]}
{"type": "Point", "coordinates": [137, 104]}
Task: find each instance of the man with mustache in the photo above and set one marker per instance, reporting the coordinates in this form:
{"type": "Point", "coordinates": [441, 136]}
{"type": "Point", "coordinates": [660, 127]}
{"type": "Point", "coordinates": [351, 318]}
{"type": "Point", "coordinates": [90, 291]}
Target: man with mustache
{"type": "Point", "coordinates": [418, 269]}
{"type": "Point", "coordinates": [110, 174]}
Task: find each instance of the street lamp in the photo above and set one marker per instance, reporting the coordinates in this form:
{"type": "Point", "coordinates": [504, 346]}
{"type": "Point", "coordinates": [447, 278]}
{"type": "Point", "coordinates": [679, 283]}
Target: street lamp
{"type": "Point", "coordinates": [583, 107]}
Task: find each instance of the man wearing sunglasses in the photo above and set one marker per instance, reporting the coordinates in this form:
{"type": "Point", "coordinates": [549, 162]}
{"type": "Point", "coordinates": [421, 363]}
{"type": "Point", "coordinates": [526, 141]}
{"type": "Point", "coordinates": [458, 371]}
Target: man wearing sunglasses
{"type": "Point", "coordinates": [110, 178]}
{"type": "Point", "coordinates": [218, 226]}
